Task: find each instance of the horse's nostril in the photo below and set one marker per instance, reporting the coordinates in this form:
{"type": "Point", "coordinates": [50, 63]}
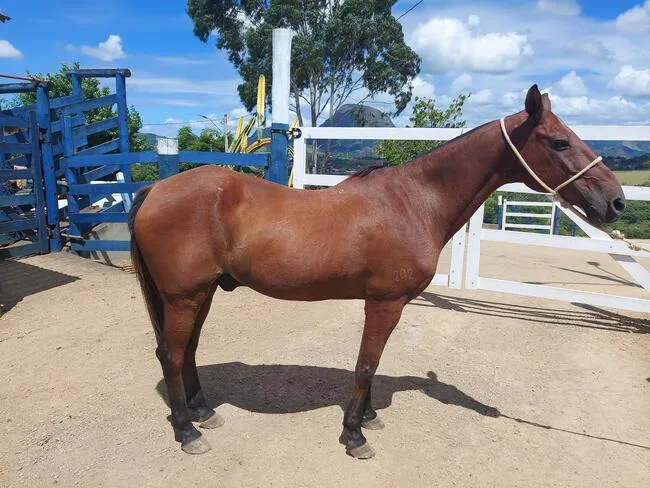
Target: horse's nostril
{"type": "Point", "coordinates": [619, 204]}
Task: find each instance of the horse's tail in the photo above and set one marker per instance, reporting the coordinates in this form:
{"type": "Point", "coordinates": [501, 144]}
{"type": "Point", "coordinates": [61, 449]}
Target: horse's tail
{"type": "Point", "coordinates": [147, 285]}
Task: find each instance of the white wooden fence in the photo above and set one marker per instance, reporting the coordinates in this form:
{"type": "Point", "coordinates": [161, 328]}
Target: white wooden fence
{"type": "Point", "coordinates": [597, 241]}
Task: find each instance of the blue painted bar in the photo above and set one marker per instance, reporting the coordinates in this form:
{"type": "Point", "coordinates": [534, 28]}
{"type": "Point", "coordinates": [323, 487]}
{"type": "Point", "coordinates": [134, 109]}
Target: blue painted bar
{"type": "Point", "coordinates": [67, 100]}
{"type": "Point", "coordinates": [106, 188]}
{"type": "Point", "coordinates": [48, 167]}
{"type": "Point", "coordinates": [18, 87]}
{"type": "Point", "coordinates": [15, 174]}
{"type": "Point", "coordinates": [15, 200]}
{"type": "Point", "coordinates": [103, 148]}
{"type": "Point", "coordinates": [122, 115]}
{"type": "Point", "coordinates": [94, 128]}
{"type": "Point", "coordinates": [73, 205]}
{"type": "Point", "coordinates": [278, 170]}
{"type": "Point", "coordinates": [99, 217]}
{"type": "Point", "coordinates": [18, 225]}
{"type": "Point", "coordinates": [77, 120]}
{"type": "Point", "coordinates": [237, 159]}
{"type": "Point", "coordinates": [102, 73]}
{"type": "Point", "coordinates": [105, 101]}
{"type": "Point", "coordinates": [15, 147]}
{"type": "Point", "coordinates": [38, 186]}
{"type": "Point", "coordinates": [97, 173]}
{"type": "Point", "coordinates": [19, 251]}
{"type": "Point", "coordinates": [9, 121]}
{"type": "Point", "coordinates": [75, 80]}
{"type": "Point", "coordinates": [100, 245]}
{"type": "Point", "coordinates": [120, 158]}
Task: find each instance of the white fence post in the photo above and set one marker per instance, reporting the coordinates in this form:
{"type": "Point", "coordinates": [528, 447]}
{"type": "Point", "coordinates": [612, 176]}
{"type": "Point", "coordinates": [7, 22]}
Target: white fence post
{"type": "Point", "coordinates": [474, 248]}
{"type": "Point", "coordinates": [457, 259]}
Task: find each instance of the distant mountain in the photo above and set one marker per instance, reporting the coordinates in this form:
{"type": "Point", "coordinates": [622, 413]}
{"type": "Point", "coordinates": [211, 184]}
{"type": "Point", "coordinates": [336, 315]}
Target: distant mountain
{"type": "Point", "coordinates": [350, 115]}
{"type": "Point", "coordinates": [152, 139]}
{"type": "Point", "coordinates": [620, 149]}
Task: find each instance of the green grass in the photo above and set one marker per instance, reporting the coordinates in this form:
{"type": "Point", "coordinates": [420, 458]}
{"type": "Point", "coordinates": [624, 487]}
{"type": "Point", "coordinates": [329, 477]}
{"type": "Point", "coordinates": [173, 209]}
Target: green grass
{"type": "Point", "coordinates": [638, 178]}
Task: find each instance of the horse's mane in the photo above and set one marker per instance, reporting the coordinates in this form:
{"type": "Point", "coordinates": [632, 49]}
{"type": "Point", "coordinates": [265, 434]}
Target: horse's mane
{"type": "Point", "coordinates": [366, 171]}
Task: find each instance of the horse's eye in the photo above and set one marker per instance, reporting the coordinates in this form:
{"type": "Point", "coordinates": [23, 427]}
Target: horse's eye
{"type": "Point", "coordinates": [559, 144]}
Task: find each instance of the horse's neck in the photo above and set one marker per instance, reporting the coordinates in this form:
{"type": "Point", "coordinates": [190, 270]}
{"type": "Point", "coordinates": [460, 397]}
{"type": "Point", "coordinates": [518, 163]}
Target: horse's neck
{"type": "Point", "coordinates": [455, 180]}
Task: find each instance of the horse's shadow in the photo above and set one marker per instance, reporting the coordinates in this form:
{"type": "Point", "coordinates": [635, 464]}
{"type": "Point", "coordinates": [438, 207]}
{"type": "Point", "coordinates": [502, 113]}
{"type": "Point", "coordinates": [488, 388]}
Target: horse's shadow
{"type": "Point", "coordinates": [278, 388]}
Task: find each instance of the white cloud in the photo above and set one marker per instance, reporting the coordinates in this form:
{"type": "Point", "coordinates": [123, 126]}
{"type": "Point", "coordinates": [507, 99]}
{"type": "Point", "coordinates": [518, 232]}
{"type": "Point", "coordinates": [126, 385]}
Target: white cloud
{"type": "Point", "coordinates": [571, 85]}
{"type": "Point", "coordinates": [461, 82]}
{"type": "Point", "coordinates": [180, 102]}
{"type": "Point", "coordinates": [632, 81]}
{"type": "Point", "coordinates": [594, 48]}
{"type": "Point", "coordinates": [481, 97]}
{"type": "Point", "coordinates": [566, 7]}
{"type": "Point", "coordinates": [172, 120]}
{"type": "Point", "coordinates": [7, 50]}
{"type": "Point", "coordinates": [637, 19]}
{"type": "Point", "coordinates": [109, 50]}
{"type": "Point", "coordinates": [183, 60]}
{"type": "Point", "coordinates": [447, 43]}
{"type": "Point", "coordinates": [422, 88]}
{"type": "Point", "coordinates": [473, 20]}
{"type": "Point", "coordinates": [234, 114]}
{"type": "Point", "coordinates": [156, 84]}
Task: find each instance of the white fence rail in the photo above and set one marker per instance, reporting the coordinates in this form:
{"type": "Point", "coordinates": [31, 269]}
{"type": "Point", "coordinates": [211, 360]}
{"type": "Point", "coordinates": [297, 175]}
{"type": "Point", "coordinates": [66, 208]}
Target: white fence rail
{"type": "Point", "coordinates": [597, 241]}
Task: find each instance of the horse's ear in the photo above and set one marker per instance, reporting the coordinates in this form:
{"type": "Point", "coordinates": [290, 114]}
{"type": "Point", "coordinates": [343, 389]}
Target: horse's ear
{"type": "Point", "coordinates": [534, 104]}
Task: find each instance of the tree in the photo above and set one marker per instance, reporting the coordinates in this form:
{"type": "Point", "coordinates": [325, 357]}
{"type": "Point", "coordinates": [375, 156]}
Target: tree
{"type": "Point", "coordinates": [341, 48]}
{"type": "Point", "coordinates": [61, 85]}
{"type": "Point", "coordinates": [425, 114]}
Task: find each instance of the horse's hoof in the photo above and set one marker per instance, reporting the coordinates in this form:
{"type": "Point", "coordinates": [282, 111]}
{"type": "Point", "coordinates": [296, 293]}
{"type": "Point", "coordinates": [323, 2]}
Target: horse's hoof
{"type": "Point", "coordinates": [197, 446]}
{"type": "Point", "coordinates": [213, 422]}
{"type": "Point", "coordinates": [364, 451]}
{"type": "Point", "coordinates": [374, 424]}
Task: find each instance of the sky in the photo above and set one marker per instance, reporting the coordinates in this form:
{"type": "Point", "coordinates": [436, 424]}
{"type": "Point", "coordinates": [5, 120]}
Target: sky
{"type": "Point", "coordinates": [591, 56]}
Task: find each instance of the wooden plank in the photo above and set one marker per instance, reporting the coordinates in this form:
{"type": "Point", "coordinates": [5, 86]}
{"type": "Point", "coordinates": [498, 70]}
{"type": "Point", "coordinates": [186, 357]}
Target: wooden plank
{"type": "Point", "coordinates": [536, 215]}
{"type": "Point", "coordinates": [555, 293]}
{"type": "Point", "coordinates": [103, 148]}
{"type": "Point", "coordinates": [18, 225]}
{"type": "Point", "coordinates": [107, 188]}
{"type": "Point", "coordinates": [94, 128]}
{"type": "Point", "coordinates": [93, 103]}
{"type": "Point", "coordinates": [16, 174]}
{"type": "Point", "coordinates": [474, 248]}
{"type": "Point", "coordinates": [15, 147]}
{"type": "Point", "coordinates": [77, 120]}
{"type": "Point", "coordinates": [20, 251]}
{"type": "Point", "coordinates": [9, 121]}
{"type": "Point", "coordinates": [634, 269]}
{"type": "Point", "coordinates": [17, 87]}
{"type": "Point", "coordinates": [203, 157]}
{"type": "Point", "coordinates": [299, 162]}
{"type": "Point", "coordinates": [457, 259]}
{"type": "Point", "coordinates": [97, 173]}
{"type": "Point", "coordinates": [101, 72]}
{"type": "Point", "coordinates": [67, 100]}
{"type": "Point", "coordinates": [100, 245]}
{"type": "Point", "coordinates": [15, 200]}
{"type": "Point", "coordinates": [80, 161]}
{"type": "Point", "coordinates": [560, 242]}
{"type": "Point", "coordinates": [98, 217]}
{"type": "Point", "coordinates": [527, 226]}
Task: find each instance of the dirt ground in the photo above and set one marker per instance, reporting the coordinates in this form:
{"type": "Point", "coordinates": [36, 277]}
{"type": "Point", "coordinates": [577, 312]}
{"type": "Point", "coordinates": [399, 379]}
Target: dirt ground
{"type": "Point", "coordinates": [475, 388]}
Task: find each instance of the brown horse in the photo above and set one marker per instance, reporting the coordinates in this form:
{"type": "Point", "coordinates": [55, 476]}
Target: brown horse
{"type": "Point", "coordinates": [376, 236]}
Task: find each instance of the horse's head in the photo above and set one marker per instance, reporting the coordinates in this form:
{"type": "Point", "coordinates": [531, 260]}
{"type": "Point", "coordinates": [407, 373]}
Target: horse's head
{"type": "Point", "coordinates": [556, 155]}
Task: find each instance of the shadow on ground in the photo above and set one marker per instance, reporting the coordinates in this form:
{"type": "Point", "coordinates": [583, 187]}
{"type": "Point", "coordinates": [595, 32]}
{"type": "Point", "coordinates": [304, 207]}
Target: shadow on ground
{"type": "Point", "coordinates": [18, 280]}
{"type": "Point", "coordinates": [280, 388]}
{"type": "Point", "coordinates": [590, 317]}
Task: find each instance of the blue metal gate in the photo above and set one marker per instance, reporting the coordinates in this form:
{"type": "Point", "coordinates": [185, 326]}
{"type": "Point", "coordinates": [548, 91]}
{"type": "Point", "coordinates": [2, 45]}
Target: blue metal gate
{"type": "Point", "coordinates": [23, 228]}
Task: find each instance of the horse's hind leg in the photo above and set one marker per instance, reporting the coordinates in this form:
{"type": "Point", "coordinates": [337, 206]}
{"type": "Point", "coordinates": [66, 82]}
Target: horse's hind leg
{"type": "Point", "coordinates": [198, 407]}
{"type": "Point", "coordinates": [381, 319]}
{"type": "Point", "coordinates": [179, 321]}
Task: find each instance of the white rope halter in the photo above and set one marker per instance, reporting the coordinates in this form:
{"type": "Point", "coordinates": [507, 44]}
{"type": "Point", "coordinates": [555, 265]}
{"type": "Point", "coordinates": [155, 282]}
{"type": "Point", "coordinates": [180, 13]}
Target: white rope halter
{"type": "Point", "coordinates": [555, 191]}
{"type": "Point", "coordinates": [616, 234]}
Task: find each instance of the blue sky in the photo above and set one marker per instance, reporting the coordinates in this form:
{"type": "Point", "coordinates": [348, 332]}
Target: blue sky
{"type": "Point", "coordinates": [591, 56]}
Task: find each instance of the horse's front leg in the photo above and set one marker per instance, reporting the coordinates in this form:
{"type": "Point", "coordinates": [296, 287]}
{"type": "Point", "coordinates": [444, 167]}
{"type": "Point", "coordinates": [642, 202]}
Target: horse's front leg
{"type": "Point", "coordinates": [381, 319]}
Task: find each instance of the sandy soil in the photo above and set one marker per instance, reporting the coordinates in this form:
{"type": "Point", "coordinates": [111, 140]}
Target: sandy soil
{"type": "Point", "coordinates": [82, 403]}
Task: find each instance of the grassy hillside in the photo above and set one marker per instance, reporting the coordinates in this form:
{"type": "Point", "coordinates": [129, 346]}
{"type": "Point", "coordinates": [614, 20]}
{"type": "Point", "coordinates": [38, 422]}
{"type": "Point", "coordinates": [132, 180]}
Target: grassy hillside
{"type": "Point", "coordinates": [637, 178]}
